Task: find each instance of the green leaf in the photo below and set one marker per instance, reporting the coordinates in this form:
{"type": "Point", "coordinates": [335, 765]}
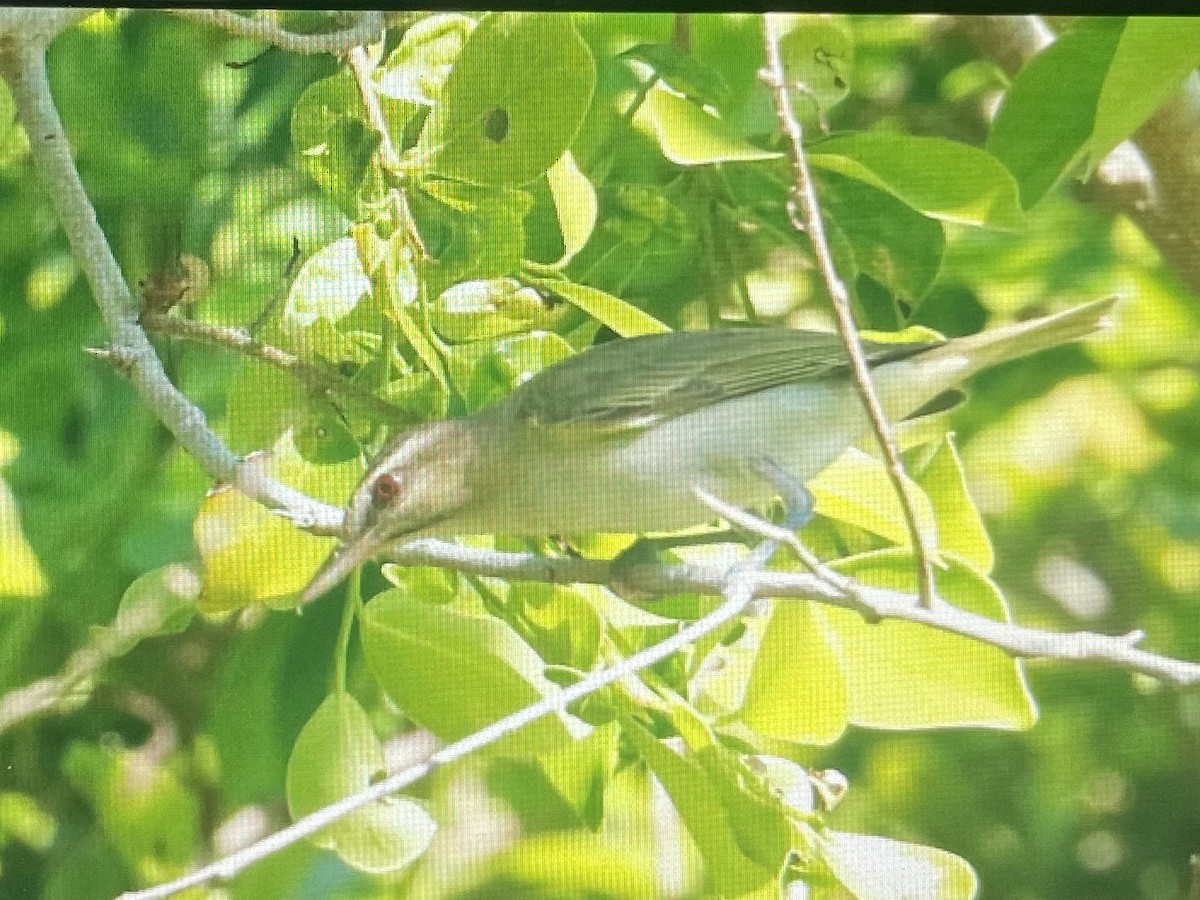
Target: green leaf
{"type": "Point", "coordinates": [145, 811]}
{"type": "Point", "coordinates": [959, 526]}
{"type": "Point", "coordinates": [741, 836]}
{"type": "Point", "coordinates": [262, 402]}
{"type": "Point", "coordinates": [580, 770]}
{"type": "Point", "coordinates": [398, 288]}
{"type": "Point", "coordinates": [500, 120]}
{"type": "Point", "coordinates": [251, 555]}
{"type": "Point", "coordinates": [489, 372]}
{"type": "Point", "coordinates": [876, 868]}
{"type": "Point", "coordinates": [1087, 92]}
{"type": "Point", "coordinates": [456, 673]}
{"type": "Point", "coordinates": [690, 136]}
{"type": "Point", "coordinates": [486, 309]}
{"type": "Point", "coordinates": [567, 865]}
{"type": "Point", "coordinates": [857, 489]}
{"type": "Point", "coordinates": [680, 70]}
{"type": "Point", "coordinates": [323, 438]}
{"type": "Point", "coordinates": [795, 691]}
{"type": "Point", "coordinates": [160, 602]}
{"type": "Point", "coordinates": [422, 61]}
{"type": "Point", "coordinates": [575, 205]}
{"type": "Point", "coordinates": [336, 755]}
{"type": "Point", "coordinates": [1153, 58]}
{"type": "Point", "coordinates": [902, 675]}
{"type": "Point", "coordinates": [818, 52]}
{"type": "Point", "coordinates": [892, 242]}
{"type": "Point", "coordinates": [939, 178]}
{"type": "Point", "coordinates": [620, 315]}
{"type": "Point", "coordinates": [23, 818]}
{"type": "Point", "coordinates": [329, 286]}
{"type": "Point", "coordinates": [471, 232]}
{"type": "Point", "coordinates": [566, 627]}
{"type": "Point", "coordinates": [335, 145]}
{"type": "Point", "coordinates": [1049, 113]}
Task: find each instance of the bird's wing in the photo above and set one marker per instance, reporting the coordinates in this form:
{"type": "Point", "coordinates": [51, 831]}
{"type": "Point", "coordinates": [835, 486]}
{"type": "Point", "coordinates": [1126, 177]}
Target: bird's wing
{"type": "Point", "coordinates": [636, 383]}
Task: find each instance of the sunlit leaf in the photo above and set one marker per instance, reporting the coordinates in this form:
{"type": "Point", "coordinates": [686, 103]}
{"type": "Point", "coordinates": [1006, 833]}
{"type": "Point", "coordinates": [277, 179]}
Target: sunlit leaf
{"type": "Point", "coordinates": [20, 572]}
{"type": "Point", "coordinates": [691, 136]}
{"type": "Point", "coordinates": [336, 755]}
{"type": "Point", "coordinates": [741, 836]}
{"type": "Point", "coordinates": [455, 673]}
{"type": "Point", "coordinates": [942, 179]}
{"type": "Point", "coordinates": [574, 204]}
{"type": "Point", "coordinates": [904, 675]}
{"type": "Point", "coordinates": [876, 868]}
{"type": "Point", "coordinates": [858, 490]}
{"type": "Point", "coordinates": [250, 554]}
{"type": "Point", "coordinates": [500, 120]}
{"type": "Point", "coordinates": [960, 528]}
{"type": "Point", "coordinates": [620, 315]}
{"type": "Point", "coordinates": [795, 691]}
{"type": "Point", "coordinates": [421, 62]}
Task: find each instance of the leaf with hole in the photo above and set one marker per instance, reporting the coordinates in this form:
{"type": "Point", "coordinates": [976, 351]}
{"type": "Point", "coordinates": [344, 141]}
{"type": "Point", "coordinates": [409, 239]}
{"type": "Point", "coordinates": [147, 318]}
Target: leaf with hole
{"type": "Point", "coordinates": [500, 119]}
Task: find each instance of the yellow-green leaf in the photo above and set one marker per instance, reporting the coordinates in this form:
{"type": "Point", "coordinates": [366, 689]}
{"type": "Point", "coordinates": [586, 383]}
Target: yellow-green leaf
{"type": "Point", "coordinates": [251, 555]}
{"type": "Point", "coordinates": [337, 754]}
{"type": "Point", "coordinates": [903, 675]}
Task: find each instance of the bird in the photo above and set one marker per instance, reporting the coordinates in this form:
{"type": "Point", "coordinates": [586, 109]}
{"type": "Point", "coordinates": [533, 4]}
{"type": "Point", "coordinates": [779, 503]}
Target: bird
{"type": "Point", "coordinates": [625, 436]}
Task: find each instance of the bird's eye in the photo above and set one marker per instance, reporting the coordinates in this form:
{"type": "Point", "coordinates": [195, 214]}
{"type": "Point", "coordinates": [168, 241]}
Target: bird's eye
{"type": "Point", "coordinates": [385, 490]}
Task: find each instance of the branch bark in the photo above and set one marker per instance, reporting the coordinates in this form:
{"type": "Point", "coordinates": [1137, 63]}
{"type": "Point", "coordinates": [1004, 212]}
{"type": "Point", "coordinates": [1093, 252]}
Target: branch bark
{"type": "Point", "coordinates": [367, 29]}
{"type": "Point", "coordinates": [811, 224]}
{"type": "Point", "coordinates": [739, 585]}
{"type": "Point", "coordinates": [316, 377]}
{"type": "Point", "coordinates": [23, 67]}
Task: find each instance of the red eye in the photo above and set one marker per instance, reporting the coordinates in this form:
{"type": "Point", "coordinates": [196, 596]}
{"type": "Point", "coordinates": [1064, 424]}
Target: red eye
{"type": "Point", "coordinates": [385, 490]}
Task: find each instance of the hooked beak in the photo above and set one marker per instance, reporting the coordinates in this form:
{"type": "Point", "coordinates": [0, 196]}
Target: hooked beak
{"type": "Point", "coordinates": [360, 549]}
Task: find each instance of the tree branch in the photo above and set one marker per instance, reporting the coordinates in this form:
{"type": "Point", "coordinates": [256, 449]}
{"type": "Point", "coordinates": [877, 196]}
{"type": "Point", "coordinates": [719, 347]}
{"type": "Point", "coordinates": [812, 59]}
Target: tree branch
{"type": "Point", "coordinates": [367, 29]}
{"type": "Point", "coordinates": [23, 67]}
{"type": "Point", "coordinates": [738, 584]}
{"type": "Point", "coordinates": [811, 224]}
{"type": "Point", "coordinates": [1153, 179]}
{"type": "Point", "coordinates": [737, 589]}
{"type": "Point", "coordinates": [314, 376]}
{"type": "Point", "coordinates": [363, 68]}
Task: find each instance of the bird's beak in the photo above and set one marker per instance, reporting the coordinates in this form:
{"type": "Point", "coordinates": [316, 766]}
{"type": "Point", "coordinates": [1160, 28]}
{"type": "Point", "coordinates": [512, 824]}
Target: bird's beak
{"type": "Point", "coordinates": [356, 551]}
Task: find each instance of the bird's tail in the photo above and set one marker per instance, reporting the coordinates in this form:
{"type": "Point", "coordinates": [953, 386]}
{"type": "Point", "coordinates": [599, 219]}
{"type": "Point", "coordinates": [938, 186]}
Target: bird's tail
{"type": "Point", "coordinates": [1007, 342]}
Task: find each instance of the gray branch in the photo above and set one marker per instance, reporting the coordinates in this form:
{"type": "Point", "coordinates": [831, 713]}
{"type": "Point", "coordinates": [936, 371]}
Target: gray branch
{"type": "Point", "coordinates": [23, 66]}
{"type": "Point", "coordinates": [368, 28]}
{"type": "Point", "coordinates": [738, 585]}
{"type": "Point", "coordinates": [807, 219]}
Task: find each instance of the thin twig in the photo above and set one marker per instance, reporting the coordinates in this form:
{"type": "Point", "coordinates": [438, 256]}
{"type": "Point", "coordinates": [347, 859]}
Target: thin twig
{"type": "Point", "coordinates": [367, 29]}
{"type": "Point", "coordinates": [738, 596]}
{"type": "Point", "coordinates": [316, 377]}
{"type": "Point", "coordinates": [23, 67]}
{"type": "Point", "coordinates": [739, 584]}
{"type": "Point", "coordinates": [389, 155]}
{"type": "Point", "coordinates": [737, 589]}
{"type": "Point", "coordinates": [871, 602]}
{"type": "Point", "coordinates": [811, 224]}
{"type": "Point", "coordinates": [273, 302]}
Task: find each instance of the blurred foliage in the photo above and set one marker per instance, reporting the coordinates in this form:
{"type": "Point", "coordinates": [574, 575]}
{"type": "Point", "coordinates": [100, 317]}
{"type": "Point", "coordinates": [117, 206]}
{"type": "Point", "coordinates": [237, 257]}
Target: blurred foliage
{"type": "Point", "coordinates": [571, 179]}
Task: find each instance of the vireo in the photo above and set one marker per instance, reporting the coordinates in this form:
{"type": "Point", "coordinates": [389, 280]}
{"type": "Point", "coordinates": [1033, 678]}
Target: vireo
{"type": "Point", "coordinates": [618, 437]}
